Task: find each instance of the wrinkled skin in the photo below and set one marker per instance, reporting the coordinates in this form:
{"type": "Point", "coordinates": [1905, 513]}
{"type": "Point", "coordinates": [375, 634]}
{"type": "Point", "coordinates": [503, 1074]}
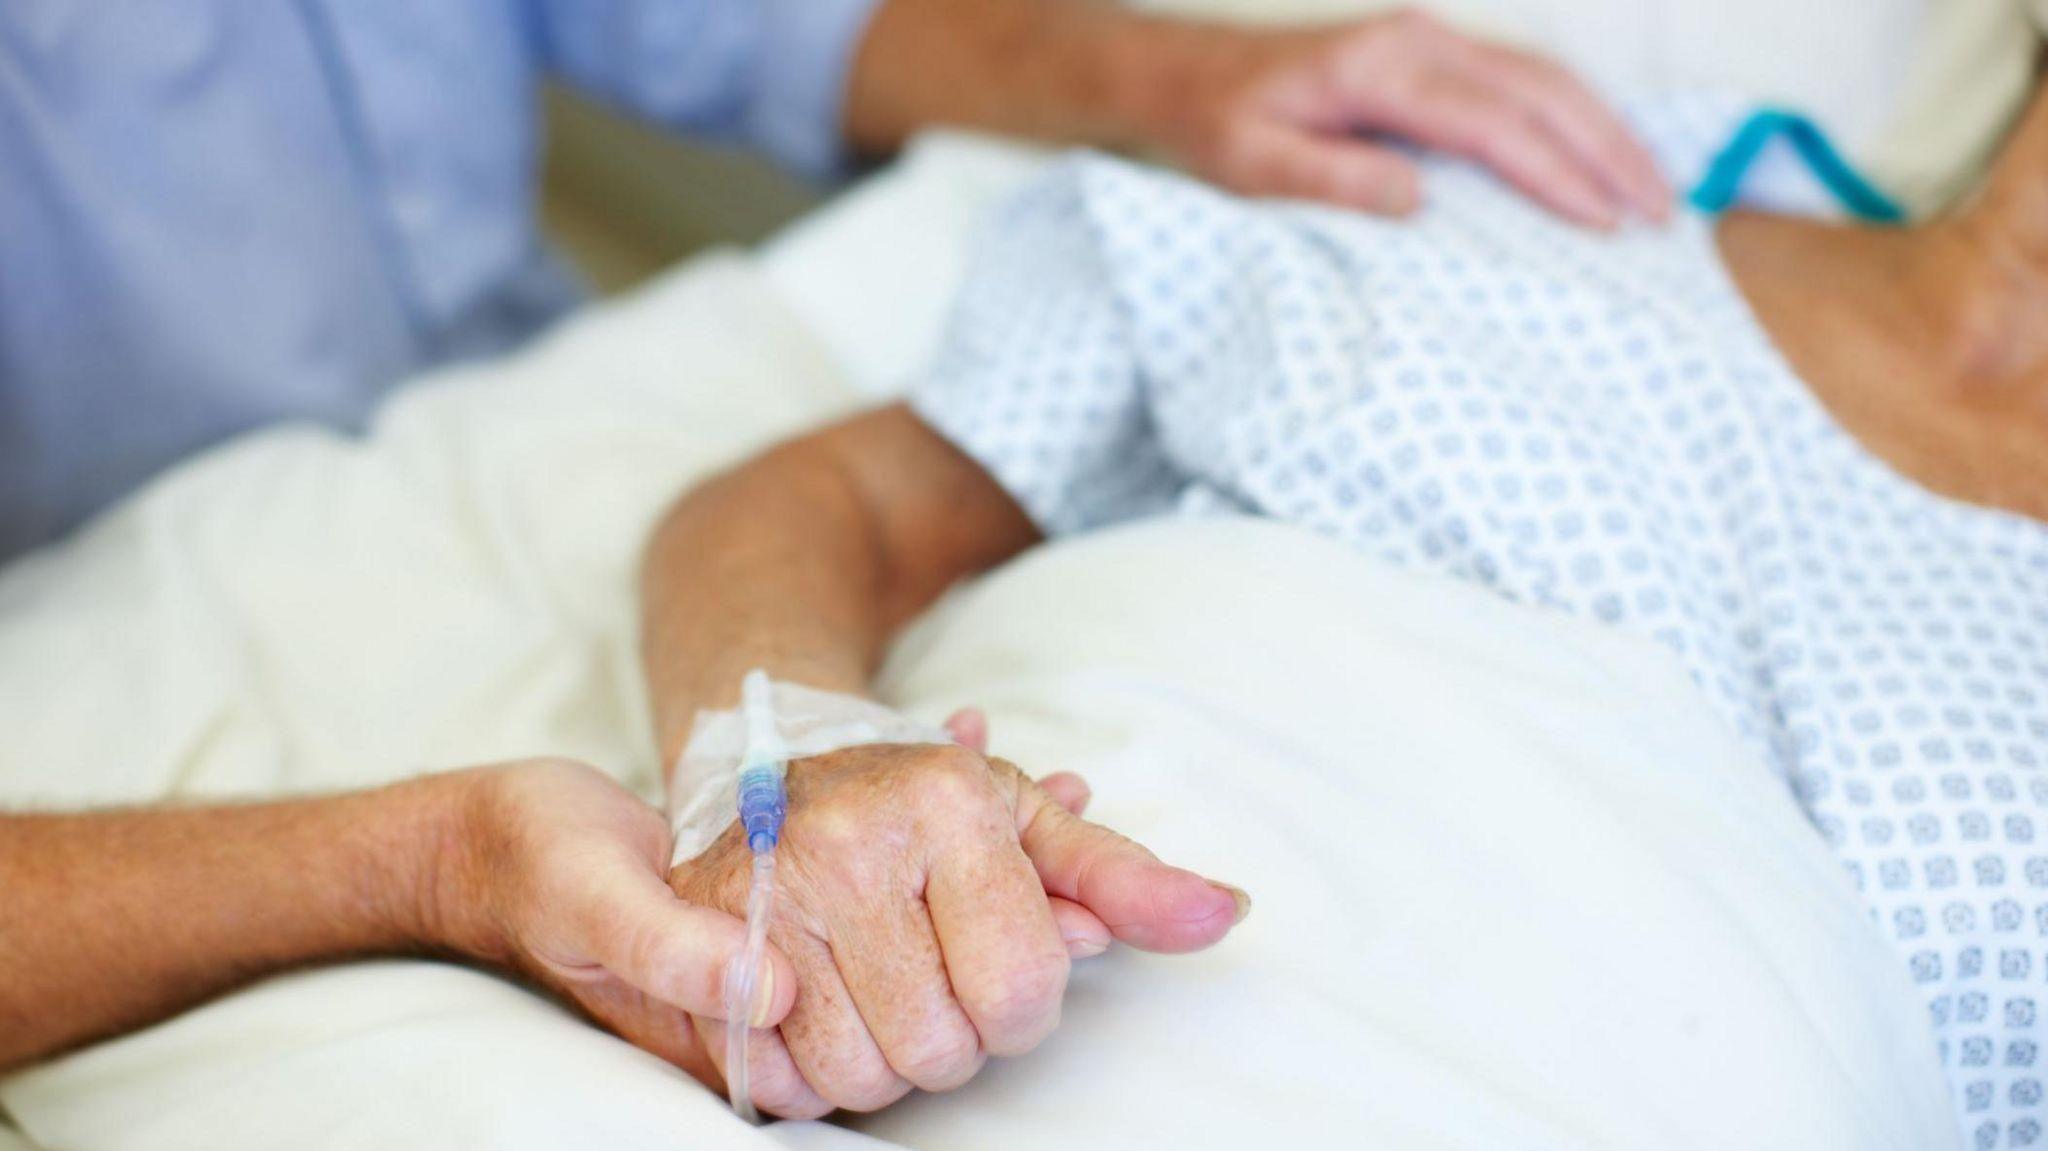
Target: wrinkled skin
{"type": "Point", "coordinates": [1927, 343]}
{"type": "Point", "coordinates": [561, 879]}
{"type": "Point", "coordinates": [930, 900]}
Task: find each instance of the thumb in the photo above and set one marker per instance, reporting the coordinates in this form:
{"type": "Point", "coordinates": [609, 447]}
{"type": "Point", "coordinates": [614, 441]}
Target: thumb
{"type": "Point", "coordinates": [676, 952]}
{"type": "Point", "coordinates": [1142, 901]}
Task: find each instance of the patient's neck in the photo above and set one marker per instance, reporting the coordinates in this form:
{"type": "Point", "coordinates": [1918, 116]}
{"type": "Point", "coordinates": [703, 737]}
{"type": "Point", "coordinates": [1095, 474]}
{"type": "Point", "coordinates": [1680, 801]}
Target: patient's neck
{"type": "Point", "coordinates": [1930, 344]}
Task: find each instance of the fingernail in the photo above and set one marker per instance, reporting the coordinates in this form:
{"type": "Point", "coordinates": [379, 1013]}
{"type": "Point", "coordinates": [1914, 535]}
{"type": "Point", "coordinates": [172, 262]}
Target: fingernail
{"type": "Point", "coordinates": [1240, 896]}
{"type": "Point", "coordinates": [764, 997]}
{"type": "Point", "coordinates": [1085, 948]}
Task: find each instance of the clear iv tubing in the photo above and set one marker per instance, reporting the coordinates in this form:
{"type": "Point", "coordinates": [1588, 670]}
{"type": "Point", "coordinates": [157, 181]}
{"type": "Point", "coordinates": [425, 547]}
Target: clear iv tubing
{"type": "Point", "coordinates": [763, 801]}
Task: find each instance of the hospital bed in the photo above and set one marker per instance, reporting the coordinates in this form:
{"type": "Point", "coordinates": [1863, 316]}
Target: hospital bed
{"type": "Point", "coordinates": [1514, 885]}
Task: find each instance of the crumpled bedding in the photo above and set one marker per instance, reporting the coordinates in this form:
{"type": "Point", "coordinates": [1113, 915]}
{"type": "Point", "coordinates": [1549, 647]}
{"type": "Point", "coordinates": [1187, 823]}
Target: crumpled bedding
{"type": "Point", "coordinates": [1514, 885]}
{"type": "Point", "coordinates": [301, 611]}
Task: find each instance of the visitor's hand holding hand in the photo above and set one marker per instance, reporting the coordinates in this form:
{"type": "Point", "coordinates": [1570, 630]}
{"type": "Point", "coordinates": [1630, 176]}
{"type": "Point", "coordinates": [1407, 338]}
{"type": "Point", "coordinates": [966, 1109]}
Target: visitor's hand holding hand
{"type": "Point", "coordinates": [930, 900]}
{"type": "Point", "coordinates": [554, 870]}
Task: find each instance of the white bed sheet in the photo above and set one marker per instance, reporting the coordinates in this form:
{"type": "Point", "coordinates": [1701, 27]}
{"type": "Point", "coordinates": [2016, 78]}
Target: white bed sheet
{"type": "Point", "coordinates": [1514, 886]}
{"type": "Point", "coordinates": [873, 273]}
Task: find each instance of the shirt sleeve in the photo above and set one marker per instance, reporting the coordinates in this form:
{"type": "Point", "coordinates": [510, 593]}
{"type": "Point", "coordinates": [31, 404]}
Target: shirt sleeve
{"type": "Point", "coordinates": [768, 73]}
{"type": "Point", "coordinates": [1038, 379]}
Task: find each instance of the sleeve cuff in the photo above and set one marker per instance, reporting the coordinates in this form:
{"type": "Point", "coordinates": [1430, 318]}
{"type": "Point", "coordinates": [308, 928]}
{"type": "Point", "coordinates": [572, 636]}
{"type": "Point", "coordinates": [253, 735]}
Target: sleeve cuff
{"type": "Point", "coordinates": [806, 57]}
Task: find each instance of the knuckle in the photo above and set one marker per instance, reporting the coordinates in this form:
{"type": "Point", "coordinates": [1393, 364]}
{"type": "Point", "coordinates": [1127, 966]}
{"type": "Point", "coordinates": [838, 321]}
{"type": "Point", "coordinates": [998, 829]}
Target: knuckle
{"type": "Point", "coordinates": [1023, 1006]}
{"type": "Point", "coordinates": [941, 1059]}
{"type": "Point", "coordinates": [782, 1093]}
{"type": "Point", "coordinates": [997, 765]}
{"type": "Point", "coordinates": [936, 779]}
{"type": "Point", "coordinates": [950, 777]}
{"type": "Point", "coordinates": [835, 829]}
{"type": "Point", "coordinates": [780, 1088]}
{"type": "Point", "coordinates": [864, 1088]}
{"type": "Point", "coordinates": [848, 1072]}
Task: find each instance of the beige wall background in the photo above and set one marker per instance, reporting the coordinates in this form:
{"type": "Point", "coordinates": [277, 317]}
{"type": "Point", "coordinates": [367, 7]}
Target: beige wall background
{"type": "Point", "coordinates": [624, 200]}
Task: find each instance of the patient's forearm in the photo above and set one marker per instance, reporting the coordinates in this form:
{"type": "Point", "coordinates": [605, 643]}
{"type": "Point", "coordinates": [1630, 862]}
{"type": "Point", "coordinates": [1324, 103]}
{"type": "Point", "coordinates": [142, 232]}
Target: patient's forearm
{"type": "Point", "coordinates": [113, 920]}
{"type": "Point", "coordinates": [806, 560]}
{"type": "Point", "coordinates": [775, 566]}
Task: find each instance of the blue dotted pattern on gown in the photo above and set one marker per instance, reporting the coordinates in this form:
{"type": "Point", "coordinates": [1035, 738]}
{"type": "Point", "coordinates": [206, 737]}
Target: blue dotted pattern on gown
{"type": "Point", "coordinates": [1593, 424]}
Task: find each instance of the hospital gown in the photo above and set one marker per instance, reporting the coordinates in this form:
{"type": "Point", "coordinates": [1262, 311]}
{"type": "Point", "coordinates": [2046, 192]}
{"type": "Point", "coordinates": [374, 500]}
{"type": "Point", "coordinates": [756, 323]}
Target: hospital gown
{"type": "Point", "coordinates": [1591, 424]}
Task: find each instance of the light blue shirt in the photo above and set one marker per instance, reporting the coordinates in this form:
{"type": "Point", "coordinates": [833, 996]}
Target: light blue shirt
{"type": "Point", "coordinates": [215, 214]}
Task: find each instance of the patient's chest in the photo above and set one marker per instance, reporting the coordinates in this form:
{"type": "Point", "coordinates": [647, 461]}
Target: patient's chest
{"type": "Point", "coordinates": [1599, 427]}
{"type": "Point", "coordinates": [1594, 426]}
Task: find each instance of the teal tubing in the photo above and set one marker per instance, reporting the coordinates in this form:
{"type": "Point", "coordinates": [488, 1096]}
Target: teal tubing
{"type": "Point", "coordinates": [1722, 182]}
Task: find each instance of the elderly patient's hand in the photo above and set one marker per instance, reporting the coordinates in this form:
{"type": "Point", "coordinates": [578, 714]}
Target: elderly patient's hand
{"type": "Point", "coordinates": [929, 900]}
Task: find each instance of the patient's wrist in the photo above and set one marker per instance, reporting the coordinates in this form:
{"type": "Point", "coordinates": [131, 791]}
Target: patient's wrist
{"type": "Point", "coordinates": [703, 787]}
